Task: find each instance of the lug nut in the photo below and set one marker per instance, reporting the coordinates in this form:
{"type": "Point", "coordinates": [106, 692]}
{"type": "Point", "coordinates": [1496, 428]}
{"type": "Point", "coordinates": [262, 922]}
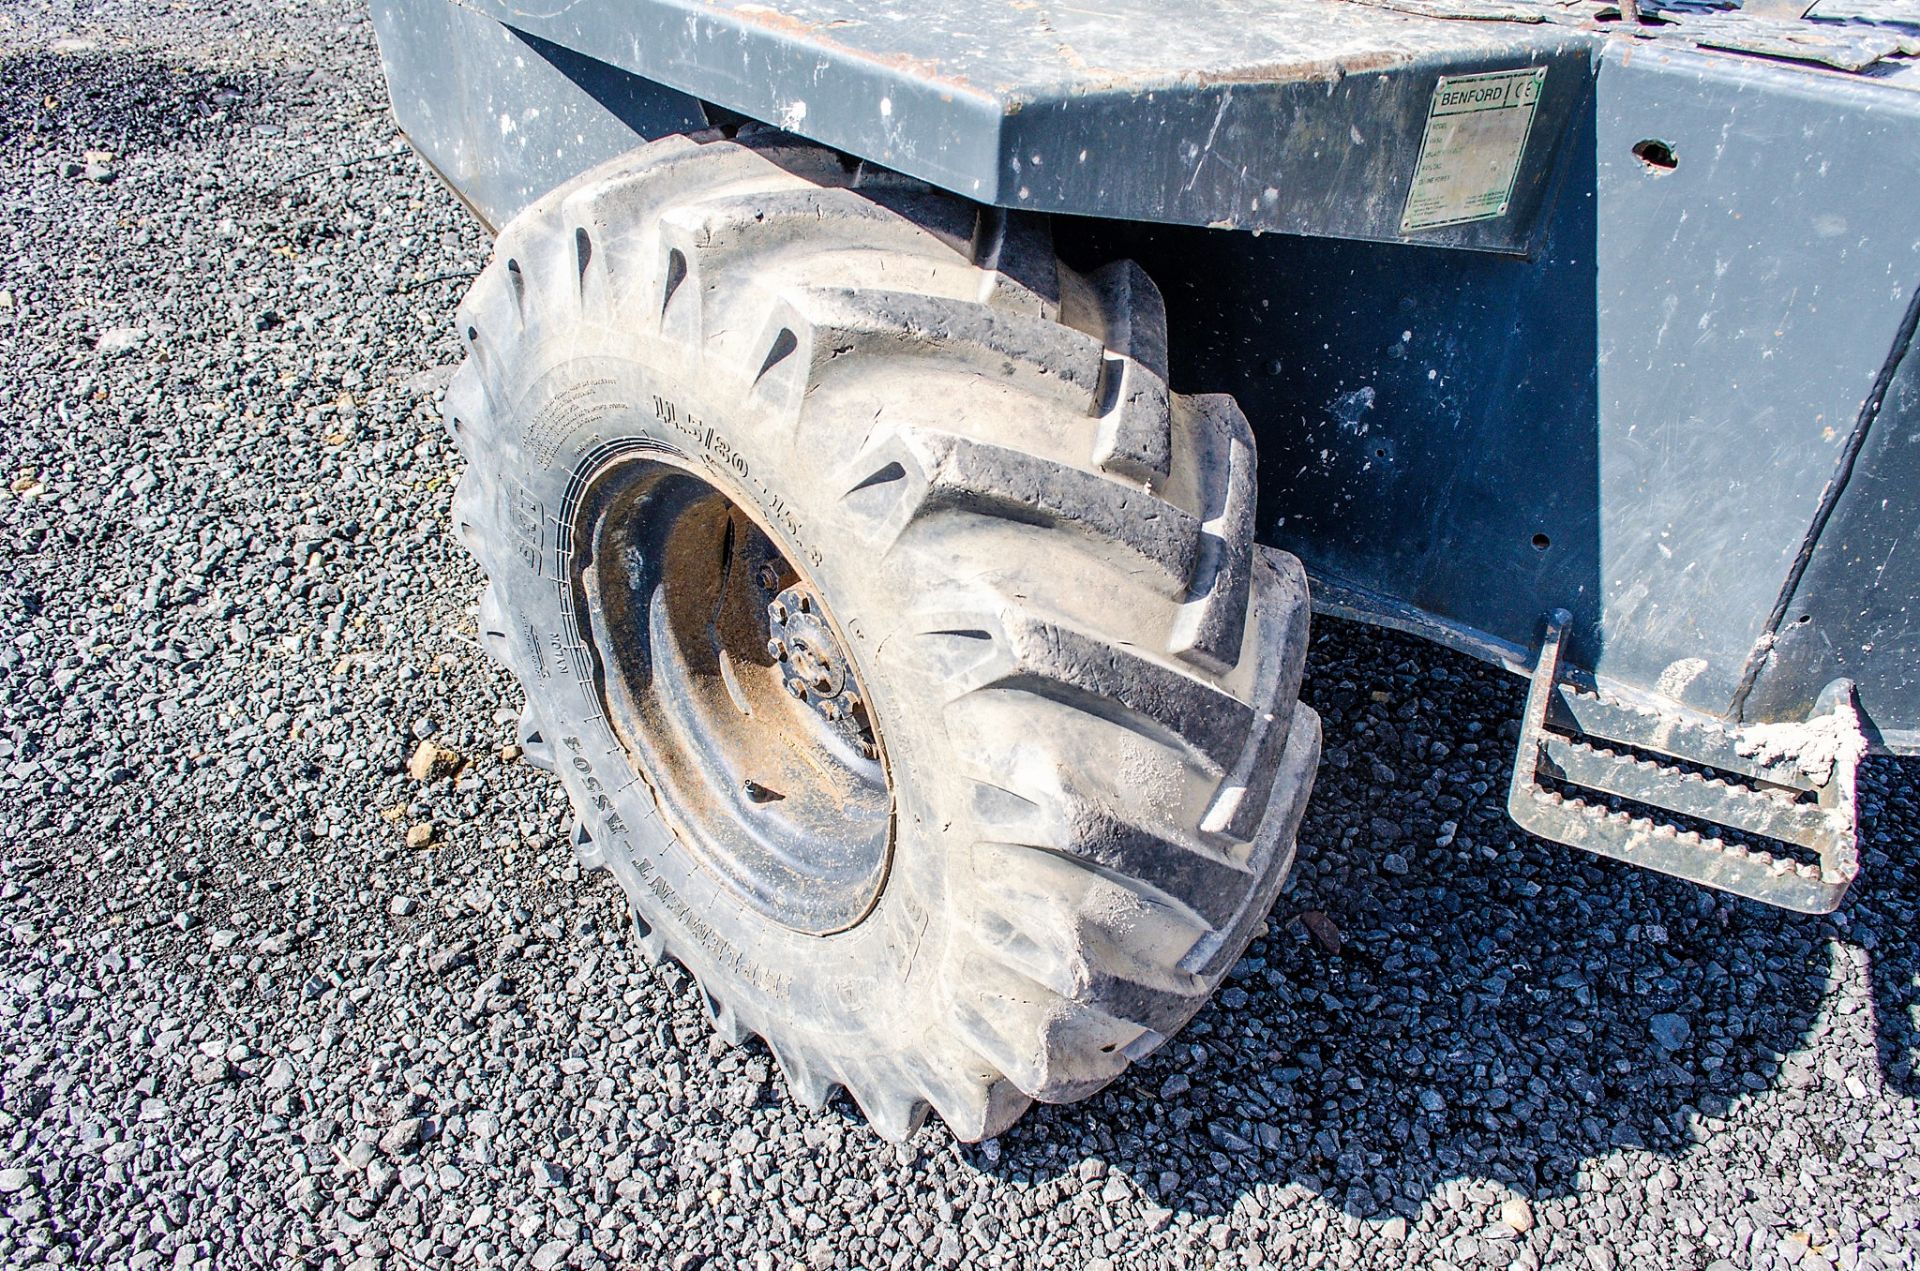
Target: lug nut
{"type": "Point", "coordinates": [769, 576]}
{"type": "Point", "coordinates": [777, 611]}
{"type": "Point", "coordinates": [776, 650]}
{"type": "Point", "coordinates": [798, 689]}
{"type": "Point", "coordinates": [830, 708]}
{"type": "Point", "coordinates": [870, 750]}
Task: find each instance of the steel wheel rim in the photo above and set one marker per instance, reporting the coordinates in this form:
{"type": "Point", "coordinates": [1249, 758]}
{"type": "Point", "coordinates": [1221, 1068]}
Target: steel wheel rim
{"type": "Point", "coordinates": [727, 681]}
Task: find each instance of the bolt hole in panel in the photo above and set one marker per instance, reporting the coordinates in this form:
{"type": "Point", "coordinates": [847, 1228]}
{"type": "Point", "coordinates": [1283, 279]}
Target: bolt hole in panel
{"type": "Point", "coordinates": [1656, 154]}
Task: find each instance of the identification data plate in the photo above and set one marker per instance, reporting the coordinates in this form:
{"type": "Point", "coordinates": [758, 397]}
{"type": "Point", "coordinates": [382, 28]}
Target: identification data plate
{"type": "Point", "coordinates": [1477, 128]}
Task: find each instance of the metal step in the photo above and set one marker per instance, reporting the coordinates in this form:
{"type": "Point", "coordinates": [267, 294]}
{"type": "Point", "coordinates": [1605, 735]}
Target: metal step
{"type": "Point", "coordinates": [1798, 787]}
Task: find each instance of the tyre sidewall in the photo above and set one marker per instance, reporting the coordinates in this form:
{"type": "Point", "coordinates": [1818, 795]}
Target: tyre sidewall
{"type": "Point", "coordinates": [571, 407]}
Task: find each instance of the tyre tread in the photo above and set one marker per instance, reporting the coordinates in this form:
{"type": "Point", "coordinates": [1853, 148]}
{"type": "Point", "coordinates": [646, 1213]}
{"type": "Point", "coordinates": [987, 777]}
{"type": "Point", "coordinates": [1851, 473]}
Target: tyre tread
{"type": "Point", "coordinates": [1095, 931]}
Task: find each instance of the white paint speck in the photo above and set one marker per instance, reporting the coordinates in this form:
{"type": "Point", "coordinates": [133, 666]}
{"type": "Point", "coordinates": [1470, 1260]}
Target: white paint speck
{"type": "Point", "coordinates": [1349, 407]}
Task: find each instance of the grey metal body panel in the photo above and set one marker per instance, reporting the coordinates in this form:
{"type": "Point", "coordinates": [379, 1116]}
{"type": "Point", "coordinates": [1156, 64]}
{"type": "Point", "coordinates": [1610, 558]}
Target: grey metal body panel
{"type": "Point", "coordinates": [1421, 414]}
{"type": "Point", "coordinates": [1854, 611]}
{"type": "Point", "coordinates": [1660, 397]}
{"type": "Point", "coordinates": [1747, 301]}
{"type": "Point", "coordinates": [504, 116]}
{"type": "Point", "coordinates": [1635, 398]}
{"type": "Point", "coordinates": [1303, 116]}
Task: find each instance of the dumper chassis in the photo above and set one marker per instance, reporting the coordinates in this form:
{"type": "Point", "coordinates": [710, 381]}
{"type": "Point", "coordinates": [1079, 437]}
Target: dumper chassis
{"type": "Point", "coordinates": [904, 443]}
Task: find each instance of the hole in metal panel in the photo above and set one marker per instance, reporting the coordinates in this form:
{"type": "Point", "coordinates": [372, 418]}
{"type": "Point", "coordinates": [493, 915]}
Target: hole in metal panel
{"type": "Point", "coordinates": [1656, 154]}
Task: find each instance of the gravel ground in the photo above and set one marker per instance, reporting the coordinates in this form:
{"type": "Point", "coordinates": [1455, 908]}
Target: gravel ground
{"type": "Point", "coordinates": [243, 1022]}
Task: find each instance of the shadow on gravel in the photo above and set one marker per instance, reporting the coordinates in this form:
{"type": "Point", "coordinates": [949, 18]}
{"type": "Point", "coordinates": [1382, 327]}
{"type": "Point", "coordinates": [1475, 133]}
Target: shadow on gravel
{"type": "Point", "coordinates": [113, 101]}
{"type": "Point", "coordinates": [1883, 916]}
{"type": "Point", "coordinates": [1497, 1008]}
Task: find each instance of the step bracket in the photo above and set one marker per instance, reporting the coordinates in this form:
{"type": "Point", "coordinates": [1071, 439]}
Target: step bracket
{"type": "Point", "coordinates": [1790, 783]}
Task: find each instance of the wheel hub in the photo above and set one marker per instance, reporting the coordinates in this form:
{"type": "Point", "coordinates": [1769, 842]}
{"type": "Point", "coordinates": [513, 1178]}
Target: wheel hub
{"type": "Point", "coordinates": [815, 668]}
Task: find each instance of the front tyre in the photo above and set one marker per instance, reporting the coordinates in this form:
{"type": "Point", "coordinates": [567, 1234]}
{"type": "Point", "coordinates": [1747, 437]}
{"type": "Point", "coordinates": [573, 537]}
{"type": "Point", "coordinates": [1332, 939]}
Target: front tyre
{"type": "Point", "coordinates": [899, 636]}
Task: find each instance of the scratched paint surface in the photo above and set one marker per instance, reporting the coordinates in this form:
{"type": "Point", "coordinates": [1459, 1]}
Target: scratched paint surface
{"type": "Point", "coordinates": [1302, 117]}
